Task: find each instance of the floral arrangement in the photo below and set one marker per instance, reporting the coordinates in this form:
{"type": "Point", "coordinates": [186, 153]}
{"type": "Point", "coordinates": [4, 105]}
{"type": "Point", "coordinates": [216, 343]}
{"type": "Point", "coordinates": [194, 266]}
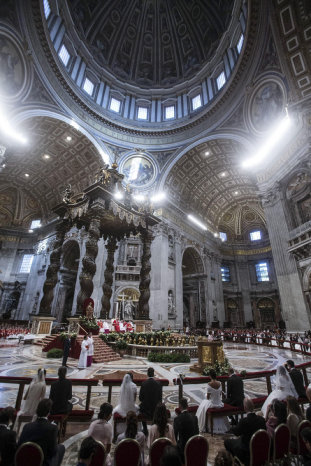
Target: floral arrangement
{"type": "Point", "coordinates": [161, 338]}
{"type": "Point", "coordinates": [219, 368]}
{"type": "Point", "coordinates": [64, 335]}
{"type": "Point", "coordinates": [88, 323]}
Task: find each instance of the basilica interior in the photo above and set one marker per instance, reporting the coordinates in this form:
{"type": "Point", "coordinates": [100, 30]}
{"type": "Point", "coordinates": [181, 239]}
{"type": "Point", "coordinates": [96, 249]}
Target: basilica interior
{"type": "Point", "coordinates": [155, 157]}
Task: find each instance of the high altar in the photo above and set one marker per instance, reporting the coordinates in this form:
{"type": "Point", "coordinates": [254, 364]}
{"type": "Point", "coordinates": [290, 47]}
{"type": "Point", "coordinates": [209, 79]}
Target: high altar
{"type": "Point", "coordinates": [209, 352]}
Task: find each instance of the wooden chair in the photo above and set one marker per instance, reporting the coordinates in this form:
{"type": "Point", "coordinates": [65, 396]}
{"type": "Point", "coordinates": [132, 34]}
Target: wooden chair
{"type": "Point", "coordinates": [32, 452]}
{"type": "Point", "coordinates": [259, 448]}
{"type": "Point", "coordinates": [157, 449]}
{"type": "Point", "coordinates": [301, 446]}
{"type": "Point", "coordinates": [99, 456]}
{"type": "Point", "coordinates": [281, 442]}
{"type": "Point", "coordinates": [127, 453]}
{"type": "Point", "coordinates": [61, 421]}
{"type": "Point", "coordinates": [196, 451]}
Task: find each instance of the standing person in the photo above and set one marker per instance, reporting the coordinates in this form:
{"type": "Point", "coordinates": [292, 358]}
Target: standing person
{"type": "Point", "coordinates": [90, 351]}
{"type": "Point", "coordinates": [235, 389]}
{"type": "Point", "coordinates": [66, 350]}
{"type": "Point", "coordinates": [61, 393]}
{"type": "Point", "coordinates": [246, 427]}
{"type": "Point", "coordinates": [7, 437]}
{"type": "Point", "coordinates": [150, 395]}
{"type": "Point", "coordinates": [36, 392]}
{"type": "Point", "coordinates": [296, 377]}
{"type": "Point", "coordinates": [44, 433]}
{"type": "Point", "coordinates": [185, 426]}
{"type": "Point", "coordinates": [82, 364]}
{"type": "Point", "coordinates": [213, 400]}
{"type": "Point", "coordinates": [101, 429]}
{"type": "Point", "coordinates": [160, 426]}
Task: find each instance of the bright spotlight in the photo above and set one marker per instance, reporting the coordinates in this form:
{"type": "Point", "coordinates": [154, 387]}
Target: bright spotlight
{"type": "Point", "coordinates": [8, 129]}
{"type": "Point", "coordinates": [118, 195]}
{"type": "Point", "coordinates": [276, 136]}
{"type": "Point", "coordinates": [197, 222]}
{"type": "Point", "coordinates": [139, 197]}
{"type": "Point", "coordinates": [74, 124]}
{"type": "Point", "coordinates": [158, 197]}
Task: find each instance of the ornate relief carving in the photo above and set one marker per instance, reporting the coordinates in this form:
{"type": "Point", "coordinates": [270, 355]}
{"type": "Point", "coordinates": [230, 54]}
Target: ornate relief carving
{"type": "Point", "coordinates": [144, 286]}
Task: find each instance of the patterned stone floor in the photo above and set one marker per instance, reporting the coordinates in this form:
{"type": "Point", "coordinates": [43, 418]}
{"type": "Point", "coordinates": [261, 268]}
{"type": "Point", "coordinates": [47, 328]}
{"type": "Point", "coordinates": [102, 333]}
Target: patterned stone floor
{"type": "Point", "coordinates": [25, 361]}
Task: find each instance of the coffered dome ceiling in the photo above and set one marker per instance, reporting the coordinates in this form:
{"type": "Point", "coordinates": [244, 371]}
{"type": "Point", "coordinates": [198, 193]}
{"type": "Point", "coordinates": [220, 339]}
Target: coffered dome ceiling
{"type": "Point", "coordinates": [215, 188]}
{"type": "Point", "coordinates": [155, 43]}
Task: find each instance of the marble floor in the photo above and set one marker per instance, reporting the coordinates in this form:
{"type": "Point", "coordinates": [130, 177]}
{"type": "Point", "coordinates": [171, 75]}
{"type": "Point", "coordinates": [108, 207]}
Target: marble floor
{"type": "Point", "coordinates": [24, 360]}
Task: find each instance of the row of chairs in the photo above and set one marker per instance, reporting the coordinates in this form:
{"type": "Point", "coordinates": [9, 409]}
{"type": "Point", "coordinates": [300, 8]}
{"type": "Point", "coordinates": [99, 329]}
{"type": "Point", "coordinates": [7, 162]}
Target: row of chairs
{"type": "Point", "coordinates": [260, 445]}
{"type": "Point", "coordinates": [127, 453]}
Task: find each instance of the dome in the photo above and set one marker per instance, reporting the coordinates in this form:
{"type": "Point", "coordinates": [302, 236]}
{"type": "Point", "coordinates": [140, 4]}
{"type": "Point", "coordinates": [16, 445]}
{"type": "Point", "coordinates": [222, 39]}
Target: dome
{"type": "Point", "coordinates": [153, 43]}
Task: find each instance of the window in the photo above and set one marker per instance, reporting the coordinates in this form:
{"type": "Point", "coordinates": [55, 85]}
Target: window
{"type": "Point", "coordinates": [26, 263]}
{"type": "Point", "coordinates": [240, 43]}
{"type": "Point", "coordinates": [255, 235]}
{"type": "Point", "coordinates": [221, 80]}
{"type": "Point", "coordinates": [196, 102]}
{"type": "Point", "coordinates": [223, 236]}
{"type": "Point", "coordinates": [169, 112]}
{"type": "Point", "coordinates": [225, 273]}
{"type": "Point", "coordinates": [115, 105]}
{"type": "Point", "coordinates": [47, 8]}
{"type": "Point", "coordinates": [64, 55]}
{"type": "Point", "coordinates": [142, 113]}
{"type": "Point", "coordinates": [35, 224]}
{"type": "Point", "coordinates": [262, 272]}
{"type": "Point", "coordinates": [88, 86]}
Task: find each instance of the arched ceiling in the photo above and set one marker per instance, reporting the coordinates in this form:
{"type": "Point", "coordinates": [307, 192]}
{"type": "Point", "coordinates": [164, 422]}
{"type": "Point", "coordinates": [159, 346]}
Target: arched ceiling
{"type": "Point", "coordinates": [211, 186]}
{"type": "Point", "coordinates": [75, 162]}
{"type": "Point", "coordinates": [155, 43]}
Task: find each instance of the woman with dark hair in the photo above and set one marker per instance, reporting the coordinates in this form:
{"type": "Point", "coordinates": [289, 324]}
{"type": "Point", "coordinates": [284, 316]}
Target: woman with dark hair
{"type": "Point", "coordinates": [170, 457]}
{"type": "Point", "coordinates": [294, 416]}
{"type": "Point", "coordinates": [276, 415]}
{"type": "Point", "coordinates": [101, 429]}
{"type": "Point", "coordinates": [131, 431]}
{"type": "Point", "coordinates": [213, 400]}
{"type": "Point", "coordinates": [160, 426]}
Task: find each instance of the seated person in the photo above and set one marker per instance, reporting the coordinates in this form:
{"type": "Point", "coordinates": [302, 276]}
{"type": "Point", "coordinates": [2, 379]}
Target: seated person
{"type": "Point", "coordinates": [86, 452]}
{"type": "Point", "coordinates": [45, 434]}
{"type": "Point", "coordinates": [7, 437]}
{"type": "Point", "coordinates": [245, 429]}
{"type": "Point", "coordinates": [306, 436]}
{"type": "Point", "coordinates": [160, 426]}
{"type": "Point", "coordinates": [131, 431]}
{"type": "Point", "coordinates": [61, 393]}
{"type": "Point", "coordinates": [101, 429]}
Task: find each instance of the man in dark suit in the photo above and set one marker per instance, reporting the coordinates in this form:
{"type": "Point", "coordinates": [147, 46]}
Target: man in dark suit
{"type": "Point", "coordinates": [150, 395]}
{"type": "Point", "coordinates": [308, 410]}
{"type": "Point", "coordinates": [235, 389]}
{"type": "Point", "coordinates": [66, 350]}
{"type": "Point", "coordinates": [245, 429]}
{"type": "Point", "coordinates": [296, 377]}
{"type": "Point", "coordinates": [61, 393]}
{"type": "Point", "coordinates": [44, 433]}
{"type": "Point", "coordinates": [185, 426]}
{"type": "Point", "coordinates": [7, 437]}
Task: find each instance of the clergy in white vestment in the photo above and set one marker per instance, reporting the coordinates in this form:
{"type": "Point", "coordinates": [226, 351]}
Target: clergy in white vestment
{"type": "Point", "coordinates": [82, 364]}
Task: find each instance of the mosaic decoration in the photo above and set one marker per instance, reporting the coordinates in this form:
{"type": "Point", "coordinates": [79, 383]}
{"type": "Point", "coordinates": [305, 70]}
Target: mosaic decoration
{"type": "Point", "coordinates": [139, 171]}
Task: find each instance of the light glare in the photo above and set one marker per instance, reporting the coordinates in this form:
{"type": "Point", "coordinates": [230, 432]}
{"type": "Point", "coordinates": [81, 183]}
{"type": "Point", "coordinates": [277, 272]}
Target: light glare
{"type": "Point", "coordinates": [197, 222]}
{"type": "Point", "coordinates": [8, 129]}
{"type": "Point", "coordinates": [138, 197]}
{"type": "Point", "coordinates": [158, 197]}
{"type": "Point", "coordinates": [118, 195]}
{"type": "Point", "coordinates": [276, 135]}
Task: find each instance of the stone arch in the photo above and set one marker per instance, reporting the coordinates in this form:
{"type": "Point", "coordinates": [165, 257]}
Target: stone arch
{"type": "Point", "coordinates": [126, 301]}
{"type": "Point", "coordinates": [194, 303]}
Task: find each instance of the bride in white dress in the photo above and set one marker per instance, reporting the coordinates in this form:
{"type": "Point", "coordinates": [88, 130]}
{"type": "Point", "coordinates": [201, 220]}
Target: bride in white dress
{"type": "Point", "coordinates": [214, 392]}
{"type": "Point", "coordinates": [284, 387]}
{"type": "Point", "coordinates": [128, 395]}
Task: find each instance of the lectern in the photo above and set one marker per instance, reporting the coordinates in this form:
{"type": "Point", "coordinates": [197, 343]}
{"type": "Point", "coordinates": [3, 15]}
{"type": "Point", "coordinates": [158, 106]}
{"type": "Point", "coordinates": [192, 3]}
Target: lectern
{"type": "Point", "coordinates": [209, 352]}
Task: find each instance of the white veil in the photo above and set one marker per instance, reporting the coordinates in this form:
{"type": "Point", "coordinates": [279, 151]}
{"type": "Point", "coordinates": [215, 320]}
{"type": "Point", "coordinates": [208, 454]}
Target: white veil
{"type": "Point", "coordinates": [127, 394]}
{"type": "Point", "coordinates": [284, 382]}
{"type": "Point", "coordinates": [39, 377]}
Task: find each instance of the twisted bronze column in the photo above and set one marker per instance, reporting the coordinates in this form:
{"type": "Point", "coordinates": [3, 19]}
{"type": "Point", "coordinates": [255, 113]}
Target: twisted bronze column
{"type": "Point", "coordinates": [111, 247]}
{"type": "Point", "coordinates": [53, 268]}
{"type": "Point", "coordinates": [144, 285]}
{"type": "Point", "coordinates": [88, 263]}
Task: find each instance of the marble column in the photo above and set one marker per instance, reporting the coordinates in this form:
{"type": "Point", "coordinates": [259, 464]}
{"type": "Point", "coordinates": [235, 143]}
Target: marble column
{"type": "Point", "coordinates": [159, 278]}
{"type": "Point", "coordinates": [111, 247]}
{"type": "Point", "coordinates": [53, 268]}
{"type": "Point", "coordinates": [245, 287]}
{"type": "Point", "coordinates": [88, 264]}
{"type": "Point", "coordinates": [179, 282]}
{"type": "Point", "coordinates": [294, 309]}
{"type": "Point", "coordinates": [144, 285]}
